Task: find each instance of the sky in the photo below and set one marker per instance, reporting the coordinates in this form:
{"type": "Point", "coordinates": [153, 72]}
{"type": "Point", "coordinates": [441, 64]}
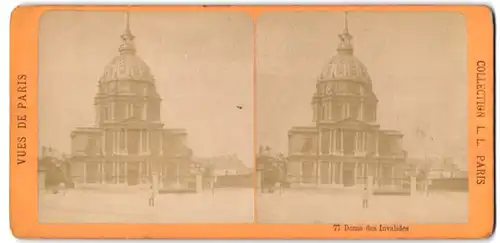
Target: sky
{"type": "Point", "coordinates": [202, 62]}
{"type": "Point", "coordinates": [416, 60]}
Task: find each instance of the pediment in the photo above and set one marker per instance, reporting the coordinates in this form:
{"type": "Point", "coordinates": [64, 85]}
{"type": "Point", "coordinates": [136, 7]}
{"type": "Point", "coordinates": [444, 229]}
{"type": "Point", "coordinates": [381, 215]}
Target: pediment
{"type": "Point", "coordinates": [130, 120]}
{"type": "Point", "coordinates": [352, 122]}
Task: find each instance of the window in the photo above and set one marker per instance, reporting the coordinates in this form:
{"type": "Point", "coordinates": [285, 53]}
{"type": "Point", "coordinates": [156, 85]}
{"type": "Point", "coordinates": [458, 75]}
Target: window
{"type": "Point", "coordinates": [325, 141]}
{"type": "Point", "coordinates": [122, 140]}
{"type": "Point", "coordinates": [338, 139]}
{"type": "Point", "coordinates": [336, 111]}
{"type": "Point", "coordinates": [365, 141]}
{"type": "Point", "coordinates": [106, 113]}
{"type": "Point", "coordinates": [325, 112]}
{"type": "Point", "coordinates": [144, 135]}
{"type": "Point", "coordinates": [353, 112]}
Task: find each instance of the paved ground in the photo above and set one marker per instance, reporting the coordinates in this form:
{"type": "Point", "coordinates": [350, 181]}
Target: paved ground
{"type": "Point", "coordinates": [87, 206]}
{"type": "Point", "coordinates": [236, 206]}
{"type": "Point", "coordinates": [327, 206]}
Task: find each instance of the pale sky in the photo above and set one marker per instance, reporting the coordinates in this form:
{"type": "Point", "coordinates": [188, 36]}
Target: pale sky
{"type": "Point", "coordinates": [417, 62]}
{"type": "Point", "coordinates": [203, 64]}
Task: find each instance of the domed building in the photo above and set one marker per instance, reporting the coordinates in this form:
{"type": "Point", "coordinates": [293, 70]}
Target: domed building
{"type": "Point", "coordinates": [128, 142]}
{"type": "Point", "coordinates": [346, 145]}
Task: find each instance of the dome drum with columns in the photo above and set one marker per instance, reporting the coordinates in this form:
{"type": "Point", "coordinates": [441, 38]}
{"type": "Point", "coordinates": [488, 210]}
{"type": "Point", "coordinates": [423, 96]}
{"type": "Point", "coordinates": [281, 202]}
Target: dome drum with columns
{"type": "Point", "coordinates": [129, 141]}
{"type": "Point", "coordinates": [346, 146]}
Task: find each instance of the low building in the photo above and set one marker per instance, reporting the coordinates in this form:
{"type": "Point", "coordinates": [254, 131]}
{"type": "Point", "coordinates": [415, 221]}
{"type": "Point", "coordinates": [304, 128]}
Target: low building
{"type": "Point", "coordinates": [227, 170]}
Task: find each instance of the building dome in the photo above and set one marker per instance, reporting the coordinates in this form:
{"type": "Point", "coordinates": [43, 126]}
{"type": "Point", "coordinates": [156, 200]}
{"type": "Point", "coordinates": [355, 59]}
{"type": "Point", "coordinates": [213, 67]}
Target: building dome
{"type": "Point", "coordinates": [127, 66]}
{"type": "Point", "coordinates": [344, 67]}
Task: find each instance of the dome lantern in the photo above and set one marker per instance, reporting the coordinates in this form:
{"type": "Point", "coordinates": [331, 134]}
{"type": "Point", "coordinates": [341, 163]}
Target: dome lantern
{"type": "Point", "coordinates": [127, 46]}
{"type": "Point", "coordinates": [345, 46]}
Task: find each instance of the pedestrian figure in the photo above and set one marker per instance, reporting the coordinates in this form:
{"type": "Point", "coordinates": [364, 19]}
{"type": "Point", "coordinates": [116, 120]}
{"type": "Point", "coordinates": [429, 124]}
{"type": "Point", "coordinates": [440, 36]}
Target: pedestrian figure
{"type": "Point", "coordinates": [366, 196]}
{"type": "Point", "coordinates": [152, 197]}
{"type": "Point", "coordinates": [154, 189]}
{"type": "Point", "coordinates": [212, 184]}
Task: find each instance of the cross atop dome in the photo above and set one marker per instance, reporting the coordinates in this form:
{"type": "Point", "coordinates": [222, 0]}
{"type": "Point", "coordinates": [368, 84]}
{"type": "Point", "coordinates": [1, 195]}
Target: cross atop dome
{"type": "Point", "coordinates": [127, 46]}
{"type": "Point", "coordinates": [345, 46]}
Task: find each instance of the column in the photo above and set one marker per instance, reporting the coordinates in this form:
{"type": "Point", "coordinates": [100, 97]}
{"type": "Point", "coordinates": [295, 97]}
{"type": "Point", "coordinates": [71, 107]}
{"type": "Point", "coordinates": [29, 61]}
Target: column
{"type": "Point", "coordinates": [364, 141]}
{"type": "Point", "coordinates": [356, 142]}
{"type": "Point", "coordinates": [342, 141]}
{"type": "Point", "coordinates": [161, 141]}
{"type": "Point", "coordinates": [361, 117]}
{"type": "Point", "coordinates": [140, 172]}
{"type": "Point", "coordinates": [330, 175]}
{"type": "Point", "coordinates": [119, 141]}
{"type": "Point", "coordinates": [103, 142]}
{"type": "Point", "coordinates": [113, 172]}
{"type": "Point", "coordinates": [84, 172]}
{"type": "Point", "coordinates": [333, 144]}
{"type": "Point", "coordinates": [125, 172]}
{"type": "Point", "coordinates": [315, 111]}
{"type": "Point", "coordinates": [113, 111]}
{"type": "Point", "coordinates": [140, 142]}
{"type": "Point", "coordinates": [147, 142]}
{"type": "Point", "coordinates": [320, 140]}
{"type": "Point", "coordinates": [356, 173]}
{"type": "Point", "coordinates": [118, 167]}
{"type": "Point", "coordinates": [145, 111]}
{"type": "Point", "coordinates": [393, 173]}
{"type": "Point", "coordinates": [126, 141]}
{"type": "Point", "coordinates": [113, 140]}
{"type": "Point", "coordinates": [318, 173]}
{"type": "Point", "coordinates": [333, 165]}
{"type": "Point", "coordinates": [329, 111]}
{"type": "Point", "coordinates": [99, 173]}
{"type": "Point", "coordinates": [376, 144]}
{"type": "Point", "coordinates": [341, 173]}
{"type": "Point", "coordinates": [103, 167]}
{"type": "Point", "coordinates": [301, 171]}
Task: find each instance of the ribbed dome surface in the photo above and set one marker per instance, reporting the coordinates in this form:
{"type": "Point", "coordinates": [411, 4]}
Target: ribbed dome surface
{"type": "Point", "coordinates": [127, 66]}
{"type": "Point", "coordinates": [344, 67]}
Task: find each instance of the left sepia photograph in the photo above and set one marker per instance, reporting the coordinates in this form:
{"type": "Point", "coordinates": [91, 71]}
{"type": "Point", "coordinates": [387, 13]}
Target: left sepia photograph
{"type": "Point", "coordinates": [145, 117]}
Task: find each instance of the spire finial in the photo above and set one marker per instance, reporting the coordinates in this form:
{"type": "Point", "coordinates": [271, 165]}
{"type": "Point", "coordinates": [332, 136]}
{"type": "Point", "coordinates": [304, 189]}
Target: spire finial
{"type": "Point", "coordinates": [127, 46]}
{"type": "Point", "coordinates": [345, 46]}
{"type": "Point", "coordinates": [127, 19]}
{"type": "Point", "coordinates": [346, 23]}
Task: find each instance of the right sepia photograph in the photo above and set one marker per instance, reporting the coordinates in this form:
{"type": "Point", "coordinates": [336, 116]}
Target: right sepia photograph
{"type": "Point", "coordinates": [361, 117]}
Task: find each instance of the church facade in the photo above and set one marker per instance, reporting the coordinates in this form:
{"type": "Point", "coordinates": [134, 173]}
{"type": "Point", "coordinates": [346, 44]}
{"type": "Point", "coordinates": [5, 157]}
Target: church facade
{"type": "Point", "coordinates": [345, 145]}
{"type": "Point", "coordinates": [128, 142]}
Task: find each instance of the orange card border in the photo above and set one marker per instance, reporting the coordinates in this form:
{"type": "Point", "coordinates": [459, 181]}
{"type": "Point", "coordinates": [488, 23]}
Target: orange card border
{"type": "Point", "coordinates": [23, 176]}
